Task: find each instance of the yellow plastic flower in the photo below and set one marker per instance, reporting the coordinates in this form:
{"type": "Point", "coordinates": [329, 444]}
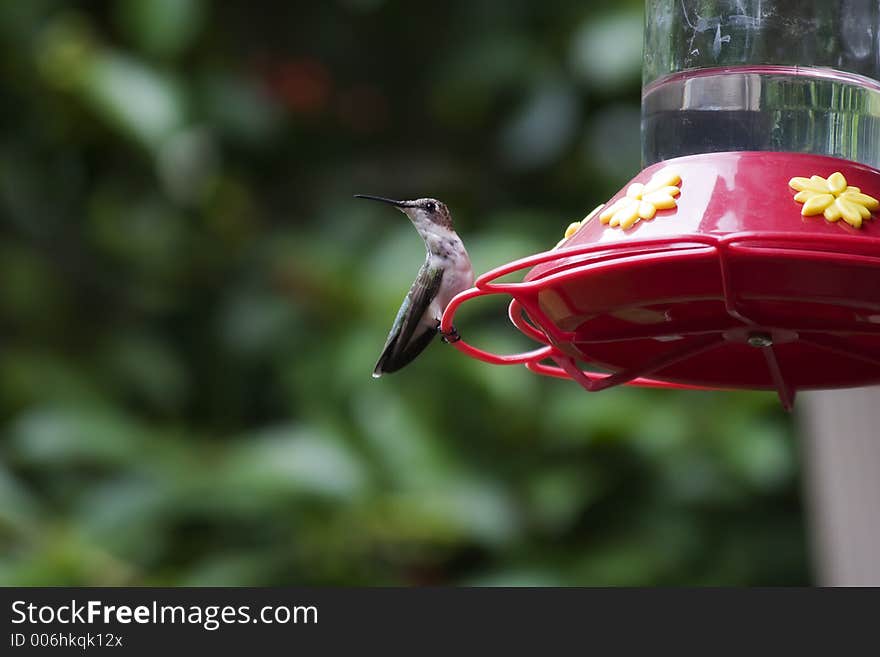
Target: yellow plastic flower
{"type": "Point", "coordinates": [576, 225]}
{"type": "Point", "coordinates": [834, 199]}
{"type": "Point", "coordinates": [643, 201]}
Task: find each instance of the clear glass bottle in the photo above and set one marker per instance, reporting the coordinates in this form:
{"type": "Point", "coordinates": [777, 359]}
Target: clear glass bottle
{"type": "Point", "coordinates": [773, 75]}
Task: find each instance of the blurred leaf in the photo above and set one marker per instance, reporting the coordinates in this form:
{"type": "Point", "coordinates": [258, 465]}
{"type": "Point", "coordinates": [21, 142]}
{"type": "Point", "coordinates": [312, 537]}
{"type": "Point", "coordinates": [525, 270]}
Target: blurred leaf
{"type": "Point", "coordinates": [142, 103]}
{"type": "Point", "coordinates": [558, 495]}
{"type": "Point", "coordinates": [292, 459]}
{"type": "Point", "coordinates": [28, 286]}
{"type": "Point", "coordinates": [239, 108]}
{"type": "Point", "coordinates": [125, 516]}
{"type": "Point", "coordinates": [161, 27]}
{"type": "Point", "coordinates": [28, 378]}
{"type": "Point", "coordinates": [476, 74]}
{"type": "Point", "coordinates": [65, 51]}
{"type": "Point", "coordinates": [478, 509]}
{"type": "Point", "coordinates": [760, 453]}
{"type": "Point", "coordinates": [187, 165]}
{"type": "Point", "coordinates": [146, 234]}
{"type": "Point", "coordinates": [254, 322]}
{"type": "Point", "coordinates": [411, 454]}
{"type": "Point", "coordinates": [607, 51]}
{"type": "Point", "coordinates": [519, 577]}
{"type": "Point", "coordinates": [57, 436]}
{"type": "Point", "coordinates": [19, 510]}
{"type": "Point", "coordinates": [144, 365]}
{"type": "Point", "coordinates": [225, 569]}
{"type": "Point", "coordinates": [542, 129]}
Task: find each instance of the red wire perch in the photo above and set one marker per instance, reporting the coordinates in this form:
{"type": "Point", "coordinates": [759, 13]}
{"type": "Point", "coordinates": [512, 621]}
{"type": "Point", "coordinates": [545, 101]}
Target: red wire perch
{"type": "Point", "coordinates": [446, 328]}
{"type": "Point", "coordinates": [591, 381]}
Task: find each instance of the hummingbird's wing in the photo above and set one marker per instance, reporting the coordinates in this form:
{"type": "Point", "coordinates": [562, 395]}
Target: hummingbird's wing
{"type": "Point", "coordinates": [402, 345]}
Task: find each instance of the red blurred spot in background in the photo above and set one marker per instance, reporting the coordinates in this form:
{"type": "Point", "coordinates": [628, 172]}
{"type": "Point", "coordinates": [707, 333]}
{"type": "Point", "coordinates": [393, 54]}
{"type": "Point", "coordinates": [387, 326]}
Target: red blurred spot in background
{"type": "Point", "coordinates": [303, 85]}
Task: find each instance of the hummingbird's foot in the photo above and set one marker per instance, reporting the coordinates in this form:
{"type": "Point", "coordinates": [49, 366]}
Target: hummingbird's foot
{"type": "Point", "coordinates": [451, 337]}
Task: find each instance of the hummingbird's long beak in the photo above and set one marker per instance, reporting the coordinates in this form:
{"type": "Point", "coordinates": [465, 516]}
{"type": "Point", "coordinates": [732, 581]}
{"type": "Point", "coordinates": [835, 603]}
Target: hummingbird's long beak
{"type": "Point", "coordinates": [399, 204]}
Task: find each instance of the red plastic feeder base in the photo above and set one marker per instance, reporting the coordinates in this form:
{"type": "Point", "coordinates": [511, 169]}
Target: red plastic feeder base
{"type": "Point", "coordinates": [733, 288]}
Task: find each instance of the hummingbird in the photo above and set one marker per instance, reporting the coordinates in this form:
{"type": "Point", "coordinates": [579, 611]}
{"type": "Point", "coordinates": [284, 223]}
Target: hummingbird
{"type": "Point", "coordinates": [446, 272]}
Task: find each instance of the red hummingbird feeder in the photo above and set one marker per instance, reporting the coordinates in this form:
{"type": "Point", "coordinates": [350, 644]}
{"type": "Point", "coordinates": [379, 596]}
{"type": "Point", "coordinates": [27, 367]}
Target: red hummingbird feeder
{"type": "Point", "coordinates": [747, 254]}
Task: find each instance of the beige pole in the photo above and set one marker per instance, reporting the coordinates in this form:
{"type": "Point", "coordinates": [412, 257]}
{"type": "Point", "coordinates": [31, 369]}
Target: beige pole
{"type": "Point", "coordinates": [841, 430]}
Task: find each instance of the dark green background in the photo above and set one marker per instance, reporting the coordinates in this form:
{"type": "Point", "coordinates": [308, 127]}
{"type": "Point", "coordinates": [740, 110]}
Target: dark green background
{"type": "Point", "coordinates": [191, 304]}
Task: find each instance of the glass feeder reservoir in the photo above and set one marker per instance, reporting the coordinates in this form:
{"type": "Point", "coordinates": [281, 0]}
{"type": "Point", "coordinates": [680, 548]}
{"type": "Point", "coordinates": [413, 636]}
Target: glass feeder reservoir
{"type": "Point", "coordinates": [747, 253]}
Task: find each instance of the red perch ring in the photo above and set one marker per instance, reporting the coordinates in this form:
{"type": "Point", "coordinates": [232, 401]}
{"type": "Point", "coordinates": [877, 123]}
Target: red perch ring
{"type": "Point", "coordinates": [732, 288]}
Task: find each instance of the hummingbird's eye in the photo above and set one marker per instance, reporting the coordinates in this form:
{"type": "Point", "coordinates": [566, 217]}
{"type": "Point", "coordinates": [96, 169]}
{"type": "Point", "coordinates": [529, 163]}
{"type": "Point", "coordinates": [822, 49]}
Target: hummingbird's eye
{"type": "Point", "coordinates": [430, 206]}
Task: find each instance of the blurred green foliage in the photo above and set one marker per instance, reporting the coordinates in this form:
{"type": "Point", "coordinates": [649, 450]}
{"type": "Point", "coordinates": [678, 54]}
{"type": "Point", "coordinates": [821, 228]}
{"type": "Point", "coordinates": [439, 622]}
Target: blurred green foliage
{"type": "Point", "coordinates": [191, 305]}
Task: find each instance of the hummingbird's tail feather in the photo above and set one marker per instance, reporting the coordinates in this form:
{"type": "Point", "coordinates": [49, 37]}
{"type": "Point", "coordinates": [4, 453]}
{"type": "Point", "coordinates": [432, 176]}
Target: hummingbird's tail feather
{"type": "Point", "coordinates": [391, 362]}
{"type": "Point", "coordinates": [410, 333]}
{"type": "Point", "coordinates": [391, 341]}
